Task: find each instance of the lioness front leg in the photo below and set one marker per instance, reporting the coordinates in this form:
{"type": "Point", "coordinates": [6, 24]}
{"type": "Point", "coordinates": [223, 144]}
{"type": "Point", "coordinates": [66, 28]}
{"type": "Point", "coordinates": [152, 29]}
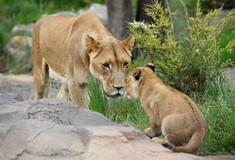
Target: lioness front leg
{"type": "Point", "coordinates": [155, 129]}
{"type": "Point", "coordinates": [78, 93]}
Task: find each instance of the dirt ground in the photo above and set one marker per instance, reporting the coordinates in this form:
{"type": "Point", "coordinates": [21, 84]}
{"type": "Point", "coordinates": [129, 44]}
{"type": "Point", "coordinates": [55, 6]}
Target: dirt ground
{"type": "Point", "coordinates": [22, 85]}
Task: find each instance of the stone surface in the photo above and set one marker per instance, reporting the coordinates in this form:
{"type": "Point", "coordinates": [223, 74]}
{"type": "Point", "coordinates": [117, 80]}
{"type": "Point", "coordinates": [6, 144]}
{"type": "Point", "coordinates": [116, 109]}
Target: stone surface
{"type": "Point", "coordinates": [99, 10]}
{"type": "Point", "coordinates": [229, 73]}
{"type": "Point", "coordinates": [54, 129]}
{"type": "Point", "coordinates": [19, 46]}
{"type": "Point", "coordinates": [72, 14]}
{"type": "Point", "coordinates": [221, 157]}
{"type": "Point", "coordinates": [6, 98]}
{"type": "Point", "coordinates": [25, 28]}
{"type": "Point", "coordinates": [22, 85]}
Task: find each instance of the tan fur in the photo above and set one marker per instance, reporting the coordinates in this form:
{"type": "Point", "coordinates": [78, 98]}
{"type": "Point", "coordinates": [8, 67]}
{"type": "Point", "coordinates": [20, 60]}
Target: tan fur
{"type": "Point", "coordinates": [75, 48]}
{"type": "Point", "coordinates": [171, 113]}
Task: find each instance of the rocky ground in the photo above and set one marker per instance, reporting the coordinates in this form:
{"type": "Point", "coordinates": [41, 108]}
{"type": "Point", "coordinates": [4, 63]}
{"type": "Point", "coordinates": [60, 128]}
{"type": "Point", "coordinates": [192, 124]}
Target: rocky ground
{"type": "Point", "coordinates": [57, 129]}
{"type": "Point", "coordinates": [22, 85]}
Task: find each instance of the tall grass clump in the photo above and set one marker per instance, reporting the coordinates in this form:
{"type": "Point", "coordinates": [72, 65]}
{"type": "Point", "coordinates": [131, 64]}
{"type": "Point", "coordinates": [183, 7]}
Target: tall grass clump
{"type": "Point", "coordinates": [218, 105]}
{"type": "Point", "coordinates": [120, 110]}
{"type": "Point", "coordinates": [194, 61]}
{"type": "Point", "coordinates": [98, 102]}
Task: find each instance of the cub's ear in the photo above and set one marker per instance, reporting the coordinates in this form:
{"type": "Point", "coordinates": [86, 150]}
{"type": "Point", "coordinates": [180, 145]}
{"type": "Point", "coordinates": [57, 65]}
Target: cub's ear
{"type": "Point", "coordinates": [151, 66]}
{"type": "Point", "coordinates": [137, 74]}
{"type": "Point", "coordinates": [129, 43]}
{"type": "Point", "coordinates": [91, 44]}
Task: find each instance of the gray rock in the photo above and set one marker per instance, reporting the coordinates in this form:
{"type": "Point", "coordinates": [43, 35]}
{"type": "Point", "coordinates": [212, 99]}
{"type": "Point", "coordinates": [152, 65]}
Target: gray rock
{"type": "Point", "coordinates": [26, 28]}
{"type": "Point", "coordinates": [99, 10]}
{"type": "Point", "coordinates": [54, 129]}
{"type": "Point", "coordinates": [6, 98]}
{"type": "Point", "coordinates": [229, 73]}
{"type": "Point", "coordinates": [221, 157]}
{"type": "Point", "coordinates": [21, 84]}
{"type": "Point", "coordinates": [72, 14]}
{"type": "Point", "coordinates": [19, 46]}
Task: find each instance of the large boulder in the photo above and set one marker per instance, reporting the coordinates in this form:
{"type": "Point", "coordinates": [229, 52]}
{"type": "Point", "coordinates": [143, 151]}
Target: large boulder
{"type": "Point", "coordinates": [19, 46]}
{"type": "Point", "coordinates": [23, 28]}
{"type": "Point", "coordinates": [54, 129]}
{"type": "Point", "coordinates": [20, 43]}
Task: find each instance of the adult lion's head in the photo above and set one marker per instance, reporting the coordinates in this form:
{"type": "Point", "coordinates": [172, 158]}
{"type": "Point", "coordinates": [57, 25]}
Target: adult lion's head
{"type": "Point", "coordinates": [109, 62]}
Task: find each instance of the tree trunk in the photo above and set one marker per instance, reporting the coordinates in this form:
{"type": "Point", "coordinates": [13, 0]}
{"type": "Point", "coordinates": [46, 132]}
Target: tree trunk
{"type": "Point", "coordinates": [119, 13]}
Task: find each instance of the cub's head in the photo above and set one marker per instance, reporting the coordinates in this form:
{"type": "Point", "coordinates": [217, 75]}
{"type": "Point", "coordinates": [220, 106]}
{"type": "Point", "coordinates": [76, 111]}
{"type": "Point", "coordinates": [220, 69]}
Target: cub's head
{"type": "Point", "coordinates": [109, 62]}
{"type": "Point", "coordinates": [138, 79]}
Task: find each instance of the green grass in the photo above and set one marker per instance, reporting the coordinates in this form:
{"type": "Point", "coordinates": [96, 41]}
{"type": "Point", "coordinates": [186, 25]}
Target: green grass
{"type": "Point", "coordinates": [228, 35]}
{"type": "Point", "coordinates": [119, 110]}
{"type": "Point", "coordinates": [217, 104]}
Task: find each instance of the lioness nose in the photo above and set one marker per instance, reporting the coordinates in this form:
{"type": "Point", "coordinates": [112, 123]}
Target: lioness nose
{"type": "Point", "coordinates": [118, 87]}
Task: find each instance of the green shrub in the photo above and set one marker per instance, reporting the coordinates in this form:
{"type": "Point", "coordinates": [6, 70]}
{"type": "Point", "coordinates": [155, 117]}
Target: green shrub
{"type": "Point", "coordinates": [227, 36]}
{"type": "Point", "coordinates": [193, 62]}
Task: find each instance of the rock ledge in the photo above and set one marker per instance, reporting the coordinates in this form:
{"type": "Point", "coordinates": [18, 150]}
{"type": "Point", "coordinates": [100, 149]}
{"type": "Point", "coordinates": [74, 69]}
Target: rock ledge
{"type": "Point", "coordinates": [54, 129]}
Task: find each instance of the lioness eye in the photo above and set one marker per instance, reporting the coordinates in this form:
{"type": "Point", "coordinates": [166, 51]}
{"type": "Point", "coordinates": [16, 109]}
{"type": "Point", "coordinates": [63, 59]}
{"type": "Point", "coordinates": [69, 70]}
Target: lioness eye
{"type": "Point", "coordinates": [106, 65]}
{"type": "Point", "coordinates": [125, 64]}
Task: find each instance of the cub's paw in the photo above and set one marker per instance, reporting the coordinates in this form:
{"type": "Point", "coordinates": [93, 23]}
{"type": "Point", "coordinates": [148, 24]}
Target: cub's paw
{"type": "Point", "coordinates": [156, 139]}
{"type": "Point", "coordinates": [149, 132]}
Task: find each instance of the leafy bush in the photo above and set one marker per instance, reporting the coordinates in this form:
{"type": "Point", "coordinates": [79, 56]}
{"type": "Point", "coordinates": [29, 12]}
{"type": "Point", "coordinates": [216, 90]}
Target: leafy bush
{"type": "Point", "coordinates": [193, 62]}
{"type": "Point", "coordinates": [227, 36]}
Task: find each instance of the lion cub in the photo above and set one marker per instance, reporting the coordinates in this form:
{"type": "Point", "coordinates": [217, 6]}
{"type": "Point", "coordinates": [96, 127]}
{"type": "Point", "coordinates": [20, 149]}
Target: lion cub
{"type": "Point", "coordinates": [171, 113]}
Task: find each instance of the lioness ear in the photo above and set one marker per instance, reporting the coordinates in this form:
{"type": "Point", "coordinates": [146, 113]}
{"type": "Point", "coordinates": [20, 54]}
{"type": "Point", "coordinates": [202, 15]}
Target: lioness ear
{"type": "Point", "coordinates": [136, 75]}
{"type": "Point", "coordinates": [151, 66]}
{"type": "Point", "coordinates": [91, 44]}
{"type": "Point", "coordinates": [129, 43]}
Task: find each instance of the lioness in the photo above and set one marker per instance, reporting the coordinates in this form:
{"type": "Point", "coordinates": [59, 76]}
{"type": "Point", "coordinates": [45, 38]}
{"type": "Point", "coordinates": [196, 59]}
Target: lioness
{"type": "Point", "coordinates": [75, 48]}
{"type": "Point", "coordinates": [171, 113]}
